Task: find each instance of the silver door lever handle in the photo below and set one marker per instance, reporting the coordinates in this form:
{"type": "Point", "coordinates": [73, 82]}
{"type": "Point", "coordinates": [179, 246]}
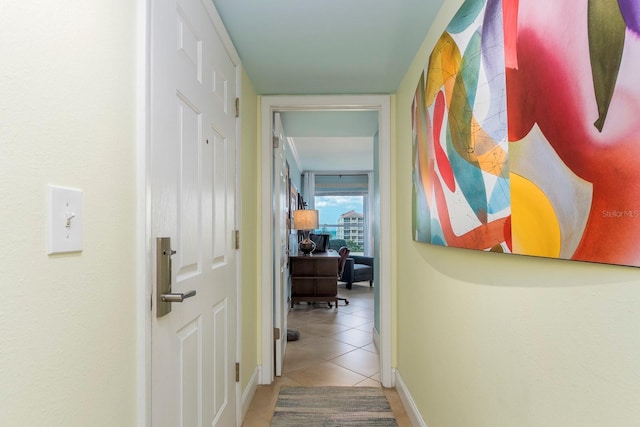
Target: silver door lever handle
{"type": "Point", "coordinates": [177, 297]}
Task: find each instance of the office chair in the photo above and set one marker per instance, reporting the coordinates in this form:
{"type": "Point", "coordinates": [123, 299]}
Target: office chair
{"type": "Point", "coordinates": [344, 254]}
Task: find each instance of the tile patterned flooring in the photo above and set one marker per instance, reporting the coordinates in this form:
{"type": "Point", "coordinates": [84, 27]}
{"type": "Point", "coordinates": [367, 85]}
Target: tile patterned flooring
{"type": "Point", "coordinates": [335, 349]}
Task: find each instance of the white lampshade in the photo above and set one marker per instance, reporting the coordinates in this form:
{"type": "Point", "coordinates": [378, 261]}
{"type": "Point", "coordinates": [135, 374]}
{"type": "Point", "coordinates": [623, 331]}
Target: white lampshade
{"type": "Point", "coordinates": [305, 219]}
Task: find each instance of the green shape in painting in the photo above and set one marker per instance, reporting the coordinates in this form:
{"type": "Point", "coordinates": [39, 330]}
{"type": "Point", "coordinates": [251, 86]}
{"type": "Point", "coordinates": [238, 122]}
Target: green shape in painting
{"type": "Point", "coordinates": [606, 44]}
{"type": "Point", "coordinates": [467, 13]}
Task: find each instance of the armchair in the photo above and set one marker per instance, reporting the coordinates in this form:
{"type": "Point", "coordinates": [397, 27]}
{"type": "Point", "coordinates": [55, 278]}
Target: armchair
{"type": "Point", "coordinates": [357, 268]}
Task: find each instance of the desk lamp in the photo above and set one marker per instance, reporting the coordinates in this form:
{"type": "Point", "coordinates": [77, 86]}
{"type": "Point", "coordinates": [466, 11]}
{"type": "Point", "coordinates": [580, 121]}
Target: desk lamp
{"type": "Point", "coordinates": [305, 220]}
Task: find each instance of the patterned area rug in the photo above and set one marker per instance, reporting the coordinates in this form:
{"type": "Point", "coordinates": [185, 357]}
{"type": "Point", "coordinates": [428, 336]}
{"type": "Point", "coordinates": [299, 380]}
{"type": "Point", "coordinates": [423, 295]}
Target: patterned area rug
{"type": "Point", "coordinates": [332, 406]}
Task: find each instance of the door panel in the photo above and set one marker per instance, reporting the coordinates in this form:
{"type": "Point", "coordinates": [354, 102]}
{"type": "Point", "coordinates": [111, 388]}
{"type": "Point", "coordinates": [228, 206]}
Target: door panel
{"type": "Point", "coordinates": [190, 371]}
{"type": "Point", "coordinates": [189, 196]}
{"type": "Point", "coordinates": [220, 189]}
{"type": "Point", "coordinates": [193, 176]}
{"type": "Point", "coordinates": [221, 373]}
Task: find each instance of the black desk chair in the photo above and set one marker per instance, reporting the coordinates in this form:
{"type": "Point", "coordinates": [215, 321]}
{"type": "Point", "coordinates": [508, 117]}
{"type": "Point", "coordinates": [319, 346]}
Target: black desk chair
{"type": "Point", "coordinates": [344, 254]}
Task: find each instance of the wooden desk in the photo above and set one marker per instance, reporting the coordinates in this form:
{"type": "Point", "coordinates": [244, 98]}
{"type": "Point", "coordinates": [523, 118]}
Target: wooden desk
{"type": "Point", "coordinates": [314, 278]}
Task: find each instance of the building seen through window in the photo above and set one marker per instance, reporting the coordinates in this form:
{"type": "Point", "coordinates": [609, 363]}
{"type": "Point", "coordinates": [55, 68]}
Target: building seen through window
{"type": "Point", "coordinates": [342, 217]}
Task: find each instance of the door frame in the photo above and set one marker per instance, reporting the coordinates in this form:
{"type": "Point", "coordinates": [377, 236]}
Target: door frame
{"type": "Point", "coordinates": [144, 239]}
{"type": "Point", "coordinates": [382, 104]}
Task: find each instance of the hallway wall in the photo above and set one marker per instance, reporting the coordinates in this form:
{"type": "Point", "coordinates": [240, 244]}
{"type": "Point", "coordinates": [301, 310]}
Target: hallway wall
{"type": "Point", "coordinates": [68, 117]}
{"type": "Point", "coordinates": [248, 230]}
{"type": "Point", "coordinates": [487, 339]}
{"type": "Point", "coordinates": [68, 325]}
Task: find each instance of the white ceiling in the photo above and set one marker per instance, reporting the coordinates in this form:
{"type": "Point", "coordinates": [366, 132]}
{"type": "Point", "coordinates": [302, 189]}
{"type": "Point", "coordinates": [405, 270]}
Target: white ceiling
{"type": "Point", "coordinates": [331, 141]}
{"type": "Point", "coordinates": [334, 154]}
{"type": "Point", "coordinates": [328, 47]}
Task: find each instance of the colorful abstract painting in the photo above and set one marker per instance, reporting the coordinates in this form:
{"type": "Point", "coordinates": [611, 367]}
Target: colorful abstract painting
{"type": "Point", "coordinates": [525, 135]}
{"type": "Point", "coordinates": [461, 174]}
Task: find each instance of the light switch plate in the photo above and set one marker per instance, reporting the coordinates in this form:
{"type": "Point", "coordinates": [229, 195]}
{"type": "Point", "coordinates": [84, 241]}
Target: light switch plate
{"type": "Point", "coordinates": [64, 220]}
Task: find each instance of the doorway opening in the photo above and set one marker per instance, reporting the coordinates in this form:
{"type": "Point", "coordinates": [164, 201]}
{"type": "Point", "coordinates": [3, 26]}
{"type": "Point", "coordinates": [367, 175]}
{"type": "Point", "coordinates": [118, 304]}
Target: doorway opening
{"type": "Point", "coordinates": [381, 224]}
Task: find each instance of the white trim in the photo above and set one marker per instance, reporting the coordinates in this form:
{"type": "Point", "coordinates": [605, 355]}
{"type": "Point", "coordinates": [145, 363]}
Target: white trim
{"type": "Point", "coordinates": [382, 103]}
{"type": "Point", "coordinates": [266, 334]}
{"type": "Point", "coordinates": [143, 277]}
{"type": "Point", "coordinates": [247, 395]}
{"type": "Point", "coordinates": [238, 222]}
{"type": "Point", "coordinates": [294, 153]}
{"type": "Point", "coordinates": [409, 405]}
{"type": "Point", "coordinates": [384, 239]}
{"type": "Point", "coordinates": [216, 20]}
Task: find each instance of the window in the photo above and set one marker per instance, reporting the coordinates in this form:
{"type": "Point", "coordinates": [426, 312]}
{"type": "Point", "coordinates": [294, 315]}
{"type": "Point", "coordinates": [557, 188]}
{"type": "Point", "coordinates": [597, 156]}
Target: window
{"type": "Point", "coordinates": [343, 217]}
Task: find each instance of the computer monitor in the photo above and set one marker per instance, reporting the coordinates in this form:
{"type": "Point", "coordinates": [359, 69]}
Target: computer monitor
{"type": "Point", "coordinates": [321, 241]}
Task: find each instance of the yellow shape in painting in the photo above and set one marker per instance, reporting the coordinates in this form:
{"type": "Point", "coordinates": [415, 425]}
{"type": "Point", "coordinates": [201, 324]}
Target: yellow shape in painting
{"type": "Point", "coordinates": [444, 64]}
{"type": "Point", "coordinates": [534, 225]}
{"type": "Point", "coordinates": [493, 161]}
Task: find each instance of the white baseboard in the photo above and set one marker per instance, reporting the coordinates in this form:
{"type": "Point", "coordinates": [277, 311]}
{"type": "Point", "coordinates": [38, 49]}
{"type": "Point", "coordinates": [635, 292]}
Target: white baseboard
{"type": "Point", "coordinates": [407, 401]}
{"type": "Point", "coordinates": [249, 392]}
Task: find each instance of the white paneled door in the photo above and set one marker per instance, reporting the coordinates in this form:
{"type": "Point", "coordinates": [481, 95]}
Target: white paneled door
{"type": "Point", "coordinates": [280, 239]}
{"type": "Point", "coordinates": [193, 178]}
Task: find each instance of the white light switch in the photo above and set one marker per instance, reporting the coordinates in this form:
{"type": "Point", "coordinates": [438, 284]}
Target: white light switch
{"type": "Point", "coordinates": [64, 220]}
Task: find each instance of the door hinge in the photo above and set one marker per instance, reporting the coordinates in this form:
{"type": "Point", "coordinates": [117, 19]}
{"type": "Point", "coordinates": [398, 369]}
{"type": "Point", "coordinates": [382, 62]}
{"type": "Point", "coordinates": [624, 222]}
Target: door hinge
{"type": "Point", "coordinates": [237, 107]}
{"type": "Point", "coordinates": [237, 372]}
{"type": "Point", "coordinates": [276, 334]}
{"type": "Point", "coordinates": [236, 237]}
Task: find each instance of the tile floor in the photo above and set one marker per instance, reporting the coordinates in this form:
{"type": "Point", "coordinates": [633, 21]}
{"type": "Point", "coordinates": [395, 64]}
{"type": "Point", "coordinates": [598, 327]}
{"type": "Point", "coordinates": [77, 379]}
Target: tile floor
{"type": "Point", "coordinates": [335, 349]}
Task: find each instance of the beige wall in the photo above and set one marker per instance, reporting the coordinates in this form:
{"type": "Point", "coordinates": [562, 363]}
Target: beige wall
{"type": "Point", "coordinates": [500, 340]}
{"type": "Point", "coordinates": [67, 117]}
{"type": "Point", "coordinates": [249, 230]}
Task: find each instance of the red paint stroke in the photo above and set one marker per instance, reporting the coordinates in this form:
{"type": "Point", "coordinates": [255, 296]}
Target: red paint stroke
{"type": "Point", "coordinates": [483, 237]}
{"type": "Point", "coordinates": [507, 233]}
{"type": "Point", "coordinates": [441, 157]}
{"type": "Point", "coordinates": [510, 26]}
